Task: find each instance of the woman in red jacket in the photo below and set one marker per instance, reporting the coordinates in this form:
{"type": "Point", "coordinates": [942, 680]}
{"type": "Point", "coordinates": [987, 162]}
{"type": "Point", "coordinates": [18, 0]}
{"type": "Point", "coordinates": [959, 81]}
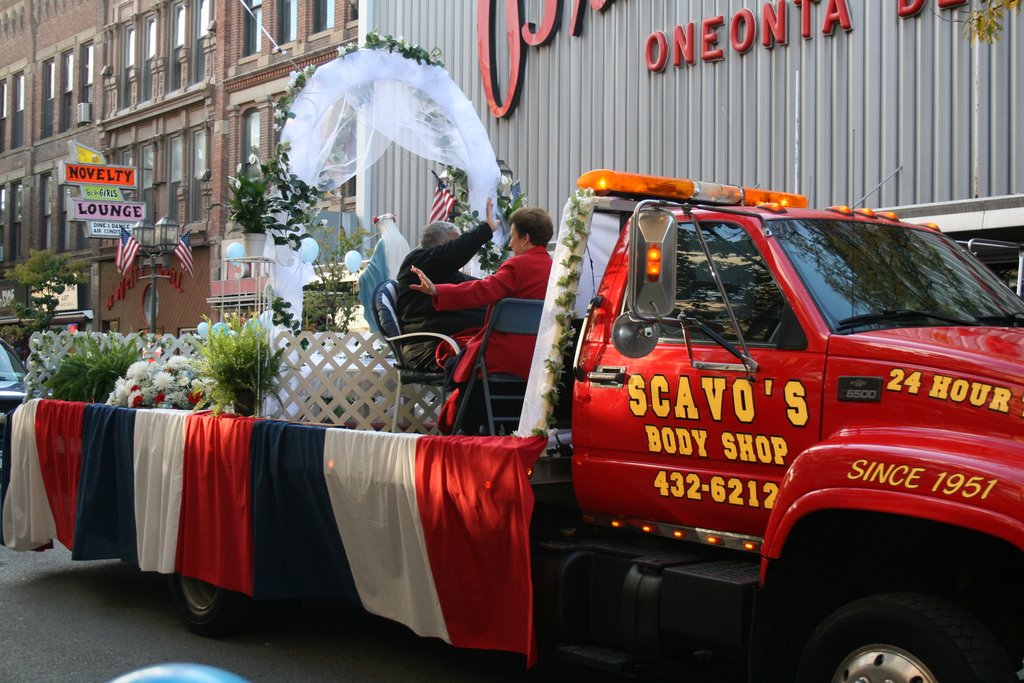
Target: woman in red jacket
{"type": "Point", "coordinates": [523, 276]}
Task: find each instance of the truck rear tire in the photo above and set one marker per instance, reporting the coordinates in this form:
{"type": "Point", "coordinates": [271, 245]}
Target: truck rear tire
{"type": "Point", "coordinates": [211, 611]}
{"type": "Point", "coordinates": [905, 638]}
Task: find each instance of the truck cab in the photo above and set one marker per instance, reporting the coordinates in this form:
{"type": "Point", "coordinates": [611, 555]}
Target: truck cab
{"type": "Point", "coordinates": [796, 442]}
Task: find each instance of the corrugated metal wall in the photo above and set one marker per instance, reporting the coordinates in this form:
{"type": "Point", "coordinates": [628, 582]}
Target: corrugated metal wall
{"type": "Point", "coordinates": [889, 113]}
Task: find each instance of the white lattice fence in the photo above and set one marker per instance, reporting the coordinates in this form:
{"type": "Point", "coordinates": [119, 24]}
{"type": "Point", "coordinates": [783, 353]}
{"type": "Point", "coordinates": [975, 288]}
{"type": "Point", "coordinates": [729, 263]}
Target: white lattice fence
{"type": "Point", "coordinates": [348, 380]}
{"type": "Point", "coordinates": [327, 378]}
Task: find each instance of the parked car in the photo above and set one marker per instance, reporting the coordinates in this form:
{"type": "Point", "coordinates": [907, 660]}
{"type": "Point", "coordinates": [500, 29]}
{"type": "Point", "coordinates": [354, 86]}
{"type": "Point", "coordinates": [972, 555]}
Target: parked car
{"type": "Point", "coordinates": [12, 379]}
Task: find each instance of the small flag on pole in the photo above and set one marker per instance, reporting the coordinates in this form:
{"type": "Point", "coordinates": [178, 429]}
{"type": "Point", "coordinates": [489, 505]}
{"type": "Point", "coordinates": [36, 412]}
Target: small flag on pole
{"type": "Point", "coordinates": [444, 202]}
{"type": "Point", "coordinates": [184, 252]}
{"type": "Point", "coordinates": [127, 250]}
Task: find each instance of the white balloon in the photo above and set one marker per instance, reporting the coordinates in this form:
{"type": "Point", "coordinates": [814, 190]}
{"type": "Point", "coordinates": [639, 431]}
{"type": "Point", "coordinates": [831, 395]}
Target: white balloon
{"type": "Point", "coordinates": [353, 260]}
{"type": "Point", "coordinates": [235, 250]}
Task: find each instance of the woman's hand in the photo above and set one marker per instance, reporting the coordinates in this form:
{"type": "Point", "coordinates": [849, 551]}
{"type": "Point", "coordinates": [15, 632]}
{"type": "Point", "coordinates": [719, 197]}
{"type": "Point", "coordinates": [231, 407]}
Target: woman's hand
{"type": "Point", "coordinates": [490, 218]}
{"type": "Point", "coordinates": [425, 285]}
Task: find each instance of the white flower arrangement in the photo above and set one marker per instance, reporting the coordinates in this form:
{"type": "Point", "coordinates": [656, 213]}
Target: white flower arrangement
{"type": "Point", "coordinates": [152, 384]}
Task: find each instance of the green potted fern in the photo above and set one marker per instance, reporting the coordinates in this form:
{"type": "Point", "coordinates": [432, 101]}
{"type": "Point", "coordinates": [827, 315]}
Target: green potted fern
{"type": "Point", "coordinates": [238, 366]}
{"type": "Point", "coordinates": [89, 373]}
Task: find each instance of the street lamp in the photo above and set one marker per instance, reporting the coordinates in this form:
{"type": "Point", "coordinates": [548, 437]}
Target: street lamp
{"type": "Point", "coordinates": [156, 241]}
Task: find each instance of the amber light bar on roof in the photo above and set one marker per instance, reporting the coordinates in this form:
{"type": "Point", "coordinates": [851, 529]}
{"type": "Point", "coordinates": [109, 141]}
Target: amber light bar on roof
{"type": "Point", "coordinates": [684, 190]}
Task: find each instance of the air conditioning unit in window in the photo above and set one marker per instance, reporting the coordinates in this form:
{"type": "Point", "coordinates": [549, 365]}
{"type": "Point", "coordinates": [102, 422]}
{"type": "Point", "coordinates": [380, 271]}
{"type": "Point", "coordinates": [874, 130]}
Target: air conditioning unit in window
{"type": "Point", "coordinates": [84, 113]}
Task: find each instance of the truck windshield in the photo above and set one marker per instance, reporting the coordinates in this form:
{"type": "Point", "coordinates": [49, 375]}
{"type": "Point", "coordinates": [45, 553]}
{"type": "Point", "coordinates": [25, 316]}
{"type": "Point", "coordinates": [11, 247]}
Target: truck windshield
{"type": "Point", "coordinates": [872, 275]}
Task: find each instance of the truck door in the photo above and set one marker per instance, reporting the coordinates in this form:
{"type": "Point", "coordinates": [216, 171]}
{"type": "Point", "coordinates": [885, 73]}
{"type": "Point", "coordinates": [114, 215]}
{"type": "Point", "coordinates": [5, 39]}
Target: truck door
{"type": "Point", "coordinates": [680, 442]}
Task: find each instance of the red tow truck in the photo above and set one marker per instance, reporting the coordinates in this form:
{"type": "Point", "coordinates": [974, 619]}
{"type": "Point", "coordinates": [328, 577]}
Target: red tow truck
{"type": "Point", "coordinates": [797, 445]}
{"type": "Point", "coordinates": [796, 453]}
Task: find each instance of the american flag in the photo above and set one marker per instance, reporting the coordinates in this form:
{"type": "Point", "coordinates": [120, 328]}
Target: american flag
{"type": "Point", "coordinates": [444, 202]}
{"type": "Point", "coordinates": [184, 252]}
{"type": "Point", "coordinates": [127, 250]}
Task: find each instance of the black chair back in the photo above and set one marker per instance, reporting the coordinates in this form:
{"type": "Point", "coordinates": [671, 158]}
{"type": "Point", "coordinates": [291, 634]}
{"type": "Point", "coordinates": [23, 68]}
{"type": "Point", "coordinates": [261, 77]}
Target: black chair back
{"type": "Point", "coordinates": [385, 312]}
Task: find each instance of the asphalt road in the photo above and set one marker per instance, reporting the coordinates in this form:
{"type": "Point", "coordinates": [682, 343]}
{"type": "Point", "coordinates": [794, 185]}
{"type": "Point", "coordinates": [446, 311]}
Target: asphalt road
{"type": "Point", "coordinates": [93, 621]}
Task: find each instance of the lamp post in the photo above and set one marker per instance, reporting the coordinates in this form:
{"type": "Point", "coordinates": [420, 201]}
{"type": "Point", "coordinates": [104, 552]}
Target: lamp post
{"type": "Point", "coordinates": [156, 241]}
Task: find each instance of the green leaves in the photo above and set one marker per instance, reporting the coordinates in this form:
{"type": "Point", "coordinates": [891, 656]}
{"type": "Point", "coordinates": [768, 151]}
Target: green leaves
{"type": "Point", "coordinates": [236, 362]}
{"type": "Point", "coordinates": [90, 372]}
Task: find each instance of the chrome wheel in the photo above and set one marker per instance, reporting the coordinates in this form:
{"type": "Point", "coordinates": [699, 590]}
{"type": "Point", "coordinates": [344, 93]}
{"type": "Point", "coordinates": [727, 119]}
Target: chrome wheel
{"type": "Point", "coordinates": [882, 664]}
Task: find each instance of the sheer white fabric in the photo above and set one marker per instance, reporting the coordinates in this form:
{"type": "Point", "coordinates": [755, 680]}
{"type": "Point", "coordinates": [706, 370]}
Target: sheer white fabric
{"type": "Point", "coordinates": [396, 247]}
{"type": "Point", "coordinates": [354, 107]}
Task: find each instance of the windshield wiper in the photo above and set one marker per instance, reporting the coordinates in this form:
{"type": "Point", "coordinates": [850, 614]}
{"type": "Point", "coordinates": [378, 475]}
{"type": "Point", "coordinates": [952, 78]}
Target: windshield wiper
{"type": "Point", "coordinates": [897, 314]}
{"type": "Point", "coordinates": [1014, 319]}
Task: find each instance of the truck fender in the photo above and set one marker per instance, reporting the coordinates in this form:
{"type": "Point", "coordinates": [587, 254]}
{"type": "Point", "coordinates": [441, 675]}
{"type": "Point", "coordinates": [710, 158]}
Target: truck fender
{"type": "Point", "coordinates": [918, 473]}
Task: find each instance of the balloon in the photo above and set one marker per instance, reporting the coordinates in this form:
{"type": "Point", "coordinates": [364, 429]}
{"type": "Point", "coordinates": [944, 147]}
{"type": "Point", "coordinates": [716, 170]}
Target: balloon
{"type": "Point", "coordinates": [221, 327]}
{"type": "Point", "coordinates": [252, 324]}
{"type": "Point", "coordinates": [179, 672]}
{"type": "Point", "coordinates": [203, 329]}
{"type": "Point", "coordinates": [267, 319]}
{"type": "Point", "coordinates": [310, 249]}
{"type": "Point", "coordinates": [353, 260]}
{"type": "Point", "coordinates": [235, 250]}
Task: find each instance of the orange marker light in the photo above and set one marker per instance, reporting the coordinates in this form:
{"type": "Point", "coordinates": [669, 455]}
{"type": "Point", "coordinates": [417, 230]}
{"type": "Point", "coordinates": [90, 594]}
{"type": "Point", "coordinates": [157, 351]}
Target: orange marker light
{"type": "Point", "coordinates": [841, 209]}
{"type": "Point", "coordinates": [678, 533]}
{"type": "Point", "coordinates": [617, 523]}
{"type": "Point", "coordinates": [870, 213]}
{"type": "Point", "coordinates": [653, 262]}
{"type": "Point", "coordinates": [891, 215]}
{"type": "Point", "coordinates": [749, 545]}
{"type": "Point", "coordinates": [930, 226]}
{"type": "Point", "coordinates": [647, 528]}
{"type": "Point", "coordinates": [712, 540]}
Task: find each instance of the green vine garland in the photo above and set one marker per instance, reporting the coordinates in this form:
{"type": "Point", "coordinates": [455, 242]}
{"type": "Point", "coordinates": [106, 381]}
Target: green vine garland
{"type": "Point", "coordinates": [574, 241]}
{"type": "Point", "coordinates": [375, 41]}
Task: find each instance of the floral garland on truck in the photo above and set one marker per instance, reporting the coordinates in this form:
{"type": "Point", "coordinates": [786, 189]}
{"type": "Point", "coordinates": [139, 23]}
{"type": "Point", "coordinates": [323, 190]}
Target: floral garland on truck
{"type": "Point", "coordinates": [573, 243]}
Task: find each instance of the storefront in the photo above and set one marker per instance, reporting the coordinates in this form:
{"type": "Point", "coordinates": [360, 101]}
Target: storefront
{"type": "Point", "coordinates": [876, 104]}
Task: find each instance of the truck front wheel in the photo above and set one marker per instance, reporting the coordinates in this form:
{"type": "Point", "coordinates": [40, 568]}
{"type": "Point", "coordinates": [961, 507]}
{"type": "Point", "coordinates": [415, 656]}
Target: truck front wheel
{"type": "Point", "coordinates": [208, 610]}
{"type": "Point", "coordinates": [905, 638]}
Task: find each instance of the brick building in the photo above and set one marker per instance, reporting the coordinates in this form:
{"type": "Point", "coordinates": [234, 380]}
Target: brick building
{"type": "Point", "coordinates": [179, 89]}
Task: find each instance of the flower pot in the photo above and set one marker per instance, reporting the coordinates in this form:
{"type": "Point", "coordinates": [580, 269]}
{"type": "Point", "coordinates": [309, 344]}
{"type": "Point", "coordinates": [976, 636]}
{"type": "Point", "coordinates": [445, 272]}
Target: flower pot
{"type": "Point", "coordinates": [245, 403]}
{"type": "Point", "coordinates": [254, 243]}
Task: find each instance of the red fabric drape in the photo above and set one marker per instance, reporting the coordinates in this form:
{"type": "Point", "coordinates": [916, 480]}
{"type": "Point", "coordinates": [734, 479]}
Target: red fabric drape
{"type": "Point", "coordinates": [215, 534]}
{"type": "Point", "coordinates": [59, 440]}
{"type": "Point", "coordinates": [475, 504]}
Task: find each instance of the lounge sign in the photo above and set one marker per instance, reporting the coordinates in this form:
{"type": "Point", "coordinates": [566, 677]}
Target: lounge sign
{"type": "Point", "coordinates": [90, 210]}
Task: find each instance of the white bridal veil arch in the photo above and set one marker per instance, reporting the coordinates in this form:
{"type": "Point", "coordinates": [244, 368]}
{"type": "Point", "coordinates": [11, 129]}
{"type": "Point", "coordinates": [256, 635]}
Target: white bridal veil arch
{"type": "Point", "coordinates": [354, 107]}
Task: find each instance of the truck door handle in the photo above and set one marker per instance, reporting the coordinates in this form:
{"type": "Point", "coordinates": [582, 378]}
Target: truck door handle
{"type": "Point", "coordinates": [614, 377]}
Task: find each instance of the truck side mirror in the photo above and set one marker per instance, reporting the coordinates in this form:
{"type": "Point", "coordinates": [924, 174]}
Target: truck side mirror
{"type": "Point", "coordinates": [652, 262]}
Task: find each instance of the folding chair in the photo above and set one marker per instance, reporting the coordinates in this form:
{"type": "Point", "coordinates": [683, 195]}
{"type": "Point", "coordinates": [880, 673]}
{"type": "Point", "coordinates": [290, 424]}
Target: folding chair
{"type": "Point", "coordinates": [510, 316]}
{"type": "Point", "coordinates": [385, 312]}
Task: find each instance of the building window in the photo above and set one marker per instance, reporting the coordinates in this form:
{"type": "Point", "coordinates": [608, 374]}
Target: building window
{"type": "Point", "coordinates": [175, 167]}
{"type": "Point", "coordinates": [66, 242]}
{"type": "Point", "coordinates": [253, 22]}
{"type": "Point", "coordinates": [15, 220]}
{"type": "Point", "coordinates": [149, 55]}
{"type": "Point", "coordinates": [3, 219]}
{"type": "Point", "coordinates": [48, 93]}
{"type": "Point", "coordinates": [199, 26]}
{"type": "Point", "coordinates": [197, 176]}
{"type": "Point", "coordinates": [127, 66]}
{"type": "Point", "coordinates": [85, 74]}
{"type": "Point", "coordinates": [46, 212]}
{"type": "Point", "coordinates": [323, 15]}
{"type": "Point", "coordinates": [250, 138]}
{"type": "Point", "coordinates": [177, 46]}
{"type": "Point", "coordinates": [3, 120]}
{"type": "Point", "coordinates": [148, 177]}
{"type": "Point", "coordinates": [67, 77]}
{"type": "Point", "coordinates": [18, 120]}
{"type": "Point", "coordinates": [287, 20]}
